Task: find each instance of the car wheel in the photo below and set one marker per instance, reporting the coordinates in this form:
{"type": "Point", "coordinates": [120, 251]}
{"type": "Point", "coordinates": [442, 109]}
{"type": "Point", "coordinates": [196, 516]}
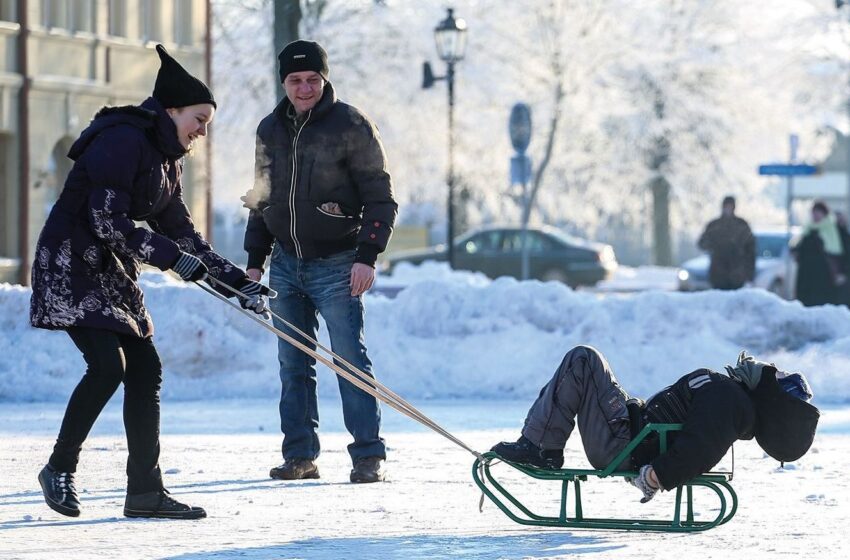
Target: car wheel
{"type": "Point", "coordinates": [555, 275]}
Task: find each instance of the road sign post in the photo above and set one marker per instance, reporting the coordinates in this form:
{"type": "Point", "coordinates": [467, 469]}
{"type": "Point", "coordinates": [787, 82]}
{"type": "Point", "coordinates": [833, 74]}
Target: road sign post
{"type": "Point", "coordinates": [519, 127]}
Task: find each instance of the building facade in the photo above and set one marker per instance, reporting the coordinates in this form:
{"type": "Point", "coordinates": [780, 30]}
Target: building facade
{"type": "Point", "coordinates": [60, 62]}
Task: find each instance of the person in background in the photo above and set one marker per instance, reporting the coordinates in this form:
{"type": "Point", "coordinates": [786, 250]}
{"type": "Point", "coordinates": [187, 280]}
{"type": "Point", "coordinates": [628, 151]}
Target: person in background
{"type": "Point", "coordinates": [322, 205]}
{"type": "Point", "coordinates": [822, 260]}
{"type": "Point", "coordinates": [732, 248]}
{"type": "Point", "coordinates": [127, 167]}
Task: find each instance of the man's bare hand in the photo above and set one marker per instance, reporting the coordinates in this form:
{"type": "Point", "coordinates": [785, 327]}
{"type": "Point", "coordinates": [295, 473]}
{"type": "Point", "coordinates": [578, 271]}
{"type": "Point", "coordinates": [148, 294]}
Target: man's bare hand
{"type": "Point", "coordinates": [362, 278]}
{"type": "Point", "coordinates": [254, 274]}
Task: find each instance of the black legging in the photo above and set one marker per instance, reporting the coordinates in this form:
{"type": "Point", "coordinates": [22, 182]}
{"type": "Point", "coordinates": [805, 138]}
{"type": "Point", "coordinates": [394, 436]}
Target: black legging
{"type": "Point", "coordinates": [111, 359]}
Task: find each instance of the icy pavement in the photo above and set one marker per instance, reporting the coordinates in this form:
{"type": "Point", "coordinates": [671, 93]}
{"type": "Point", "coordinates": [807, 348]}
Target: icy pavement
{"type": "Point", "coordinates": [215, 454]}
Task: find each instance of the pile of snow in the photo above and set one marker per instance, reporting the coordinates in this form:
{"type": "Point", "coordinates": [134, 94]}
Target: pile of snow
{"type": "Point", "coordinates": [634, 279]}
{"type": "Point", "coordinates": [456, 334]}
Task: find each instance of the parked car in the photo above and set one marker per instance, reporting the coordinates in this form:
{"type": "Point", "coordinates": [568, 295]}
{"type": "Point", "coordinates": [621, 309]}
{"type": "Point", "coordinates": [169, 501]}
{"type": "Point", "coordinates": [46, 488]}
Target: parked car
{"type": "Point", "coordinates": [496, 252]}
{"type": "Point", "coordinates": [773, 260]}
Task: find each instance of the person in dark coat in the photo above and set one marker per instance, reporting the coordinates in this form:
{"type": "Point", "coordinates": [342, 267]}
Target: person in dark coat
{"type": "Point", "coordinates": [127, 167]}
{"type": "Point", "coordinates": [322, 205]}
{"type": "Point", "coordinates": [822, 260]}
{"type": "Point", "coordinates": [754, 400]}
{"type": "Point", "coordinates": [732, 247]}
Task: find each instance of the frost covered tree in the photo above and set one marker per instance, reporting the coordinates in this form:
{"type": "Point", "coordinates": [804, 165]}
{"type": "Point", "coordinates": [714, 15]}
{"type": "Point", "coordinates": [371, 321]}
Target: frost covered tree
{"type": "Point", "coordinates": [694, 92]}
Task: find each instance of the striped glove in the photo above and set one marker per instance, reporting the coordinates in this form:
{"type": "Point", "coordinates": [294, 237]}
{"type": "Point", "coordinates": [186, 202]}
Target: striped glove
{"type": "Point", "coordinates": [256, 296]}
{"type": "Point", "coordinates": [645, 484]}
{"type": "Point", "coordinates": [189, 267]}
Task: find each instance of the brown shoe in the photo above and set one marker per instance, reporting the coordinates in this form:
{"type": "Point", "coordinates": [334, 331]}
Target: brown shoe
{"type": "Point", "coordinates": [368, 469]}
{"type": "Point", "coordinates": [295, 469]}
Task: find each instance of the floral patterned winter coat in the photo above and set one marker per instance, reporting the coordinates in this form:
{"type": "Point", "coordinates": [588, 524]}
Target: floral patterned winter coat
{"type": "Point", "coordinates": [127, 168]}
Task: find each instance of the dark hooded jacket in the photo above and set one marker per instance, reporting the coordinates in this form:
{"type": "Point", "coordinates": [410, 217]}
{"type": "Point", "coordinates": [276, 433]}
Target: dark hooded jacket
{"type": "Point", "coordinates": [817, 272]}
{"type": "Point", "coordinates": [333, 155]}
{"type": "Point", "coordinates": [715, 412]}
{"type": "Point", "coordinates": [731, 246]}
{"type": "Point", "coordinates": [127, 167]}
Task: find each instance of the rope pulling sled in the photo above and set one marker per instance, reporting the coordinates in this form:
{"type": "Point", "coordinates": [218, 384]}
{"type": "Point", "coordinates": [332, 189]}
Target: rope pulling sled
{"type": "Point", "coordinates": [717, 482]}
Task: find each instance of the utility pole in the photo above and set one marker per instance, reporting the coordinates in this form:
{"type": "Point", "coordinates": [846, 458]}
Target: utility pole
{"type": "Point", "coordinates": [287, 17]}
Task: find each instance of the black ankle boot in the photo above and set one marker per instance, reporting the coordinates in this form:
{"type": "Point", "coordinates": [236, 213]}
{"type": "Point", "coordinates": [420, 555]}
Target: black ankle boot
{"type": "Point", "coordinates": [159, 504]}
{"type": "Point", "coordinates": [59, 491]}
{"type": "Point", "coordinates": [524, 451]}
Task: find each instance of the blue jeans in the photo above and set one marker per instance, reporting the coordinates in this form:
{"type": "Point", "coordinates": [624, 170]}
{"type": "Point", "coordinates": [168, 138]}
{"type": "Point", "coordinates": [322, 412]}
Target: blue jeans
{"type": "Point", "coordinates": [305, 289]}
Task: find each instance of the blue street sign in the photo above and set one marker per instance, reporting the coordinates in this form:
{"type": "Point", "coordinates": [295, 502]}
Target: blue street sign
{"type": "Point", "coordinates": [520, 169]}
{"type": "Point", "coordinates": [519, 126]}
{"type": "Point", "coordinates": [788, 169]}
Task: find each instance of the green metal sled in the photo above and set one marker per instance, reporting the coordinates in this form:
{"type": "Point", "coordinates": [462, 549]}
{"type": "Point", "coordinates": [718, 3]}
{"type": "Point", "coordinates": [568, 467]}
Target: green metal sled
{"type": "Point", "coordinates": [717, 482]}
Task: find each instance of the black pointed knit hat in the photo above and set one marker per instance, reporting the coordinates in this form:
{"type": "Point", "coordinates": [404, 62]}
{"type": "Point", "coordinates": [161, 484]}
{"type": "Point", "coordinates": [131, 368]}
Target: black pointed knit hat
{"type": "Point", "coordinates": [175, 87]}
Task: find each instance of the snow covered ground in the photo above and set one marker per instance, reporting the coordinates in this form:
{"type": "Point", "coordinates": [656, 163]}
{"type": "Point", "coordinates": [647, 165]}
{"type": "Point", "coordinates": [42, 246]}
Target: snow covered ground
{"type": "Point", "coordinates": [217, 454]}
{"type": "Point", "coordinates": [469, 352]}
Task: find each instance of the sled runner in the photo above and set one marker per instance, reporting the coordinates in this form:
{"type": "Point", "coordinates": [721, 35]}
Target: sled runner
{"type": "Point", "coordinates": [717, 482]}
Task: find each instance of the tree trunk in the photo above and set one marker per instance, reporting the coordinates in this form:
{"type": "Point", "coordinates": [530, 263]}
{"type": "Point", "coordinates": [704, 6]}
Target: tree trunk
{"type": "Point", "coordinates": [662, 248]}
{"type": "Point", "coordinates": [287, 17]}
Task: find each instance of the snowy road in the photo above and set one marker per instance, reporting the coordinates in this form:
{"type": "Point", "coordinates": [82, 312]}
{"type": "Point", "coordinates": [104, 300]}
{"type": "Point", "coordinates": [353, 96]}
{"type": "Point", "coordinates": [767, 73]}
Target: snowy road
{"type": "Point", "coordinates": [216, 456]}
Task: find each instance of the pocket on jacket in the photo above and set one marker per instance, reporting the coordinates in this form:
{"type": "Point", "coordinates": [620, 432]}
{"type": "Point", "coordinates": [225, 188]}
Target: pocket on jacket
{"type": "Point", "coordinates": [330, 227]}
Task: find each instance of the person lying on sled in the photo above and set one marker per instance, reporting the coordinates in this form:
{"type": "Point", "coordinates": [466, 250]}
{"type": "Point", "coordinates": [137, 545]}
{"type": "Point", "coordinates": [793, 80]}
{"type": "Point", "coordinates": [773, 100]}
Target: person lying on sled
{"type": "Point", "coordinates": [755, 400]}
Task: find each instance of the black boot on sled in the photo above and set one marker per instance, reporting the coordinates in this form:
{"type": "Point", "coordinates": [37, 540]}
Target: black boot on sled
{"type": "Point", "coordinates": [524, 451]}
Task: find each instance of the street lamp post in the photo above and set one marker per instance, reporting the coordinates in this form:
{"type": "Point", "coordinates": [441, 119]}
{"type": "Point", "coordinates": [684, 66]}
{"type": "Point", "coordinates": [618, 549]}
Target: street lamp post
{"type": "Point", "coordinates": [450, 36]}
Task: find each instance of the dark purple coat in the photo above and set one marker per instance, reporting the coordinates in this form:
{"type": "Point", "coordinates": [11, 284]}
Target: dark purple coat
{"type": "Point", "coordinates": [127, 166]}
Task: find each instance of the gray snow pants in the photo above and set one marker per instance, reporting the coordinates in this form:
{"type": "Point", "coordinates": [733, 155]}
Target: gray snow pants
{"type": "Point", "coordinates": [585, 387]}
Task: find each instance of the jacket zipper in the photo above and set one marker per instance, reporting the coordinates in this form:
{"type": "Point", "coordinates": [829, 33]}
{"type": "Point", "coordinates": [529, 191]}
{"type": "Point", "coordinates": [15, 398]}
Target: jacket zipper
{"type": "Point", "coordinates": [156, 200]}
{"type": "Point", "coordinates": [292, 224]}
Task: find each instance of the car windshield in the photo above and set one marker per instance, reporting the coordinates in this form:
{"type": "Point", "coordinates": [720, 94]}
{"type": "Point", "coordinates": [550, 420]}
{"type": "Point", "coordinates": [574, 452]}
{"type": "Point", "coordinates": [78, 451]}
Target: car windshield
{"type": "Point", "coordinates": [770, 246]}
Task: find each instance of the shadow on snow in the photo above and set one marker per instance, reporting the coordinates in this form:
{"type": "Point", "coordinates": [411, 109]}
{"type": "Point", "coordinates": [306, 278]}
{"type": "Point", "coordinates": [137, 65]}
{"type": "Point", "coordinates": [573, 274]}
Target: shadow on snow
{"type": "Point", "coordinates": [414, 547]}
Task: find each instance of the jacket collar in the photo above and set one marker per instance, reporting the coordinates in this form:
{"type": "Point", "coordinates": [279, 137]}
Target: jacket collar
{"type": "Point", "coordinates": [165, 131]}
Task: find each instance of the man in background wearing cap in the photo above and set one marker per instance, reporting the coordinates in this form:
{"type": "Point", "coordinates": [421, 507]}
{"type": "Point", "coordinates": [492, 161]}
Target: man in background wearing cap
{"type": "Point", "coordinates": [323, 200]}
{"type": "Point", "coordinates": [732, 248]}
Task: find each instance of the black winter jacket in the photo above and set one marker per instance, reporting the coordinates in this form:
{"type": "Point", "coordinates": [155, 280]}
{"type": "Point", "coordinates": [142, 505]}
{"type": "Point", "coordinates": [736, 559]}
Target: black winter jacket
{"type": "Point", "coordinates": [333, 156]}
{"type": "Point", "coordinates": [127, 168]}
{"type": "Point", "coordinates": [715, 412]}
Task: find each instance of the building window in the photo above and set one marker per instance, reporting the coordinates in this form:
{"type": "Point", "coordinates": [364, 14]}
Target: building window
{"type": "Point", "coordinates": [118, 18]}
{"type": "Point", "coordinates": [54, 13]}
{"type": "Point", "coordinates": [151, 20]}
{"type": "Point", "coordinates": [7, 10]}
{"type": "Point", "coordinates": [73, 15]}
{"type": "Point", "coordinates": [183, 33]}
{"type": "Point", "coordinates": [82, 16]}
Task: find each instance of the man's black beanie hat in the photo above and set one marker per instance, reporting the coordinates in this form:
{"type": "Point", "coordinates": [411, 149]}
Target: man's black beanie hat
{"type": "Point", "coordinates": [175, 87]}
{"type": "Point", "coordinates": [301, 56]}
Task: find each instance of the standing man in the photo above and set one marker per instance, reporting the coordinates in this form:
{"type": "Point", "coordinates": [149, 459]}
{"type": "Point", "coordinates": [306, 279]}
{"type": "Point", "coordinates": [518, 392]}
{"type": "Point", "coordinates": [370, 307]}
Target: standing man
{"type": "Point", "coordinates": [732, 248]}
{"type": "Point", "coordinates": [323, 200]}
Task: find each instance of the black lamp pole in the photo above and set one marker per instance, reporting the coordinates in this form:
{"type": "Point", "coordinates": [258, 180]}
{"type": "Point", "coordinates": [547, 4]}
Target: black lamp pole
{"type": "Point", "coordinates": [450, 180]}
{"type": "Point", "coordinates": [450, 35]}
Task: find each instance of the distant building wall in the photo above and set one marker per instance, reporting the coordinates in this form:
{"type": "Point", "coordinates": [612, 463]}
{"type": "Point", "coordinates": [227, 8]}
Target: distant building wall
{"type": "Point", "coordinates": [81, 55]}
